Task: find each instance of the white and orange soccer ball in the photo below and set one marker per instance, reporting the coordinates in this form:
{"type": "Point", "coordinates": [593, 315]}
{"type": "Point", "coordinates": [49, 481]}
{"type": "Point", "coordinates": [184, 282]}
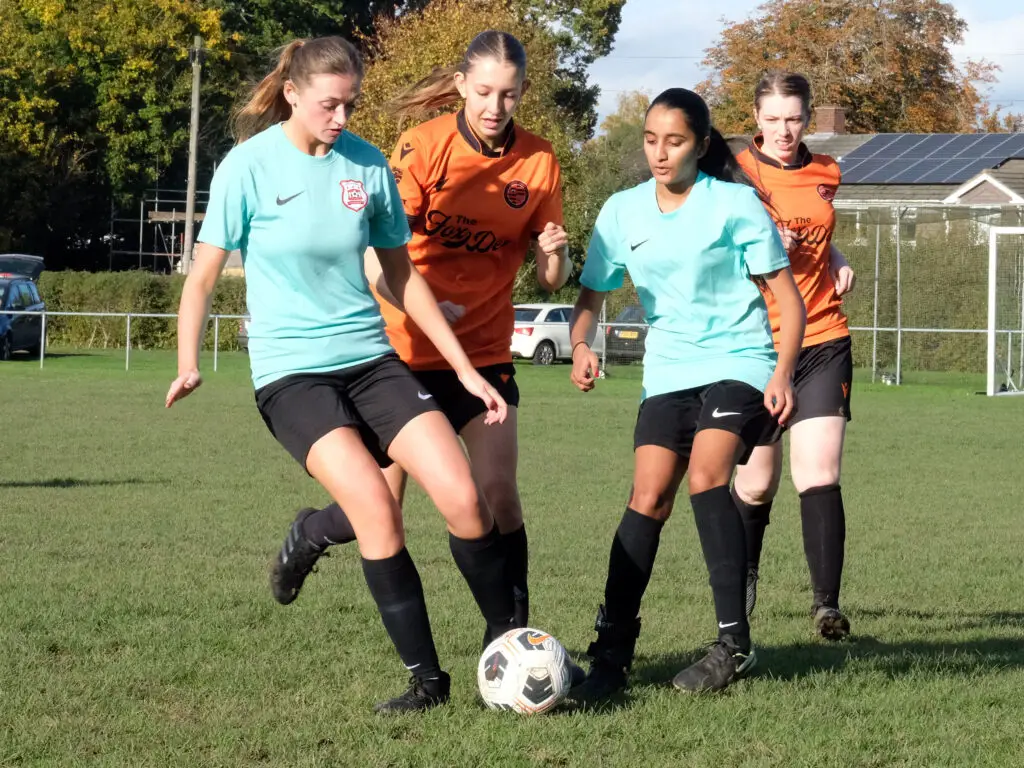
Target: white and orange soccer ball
{"type": "Point", "coordinates": [525, 670]}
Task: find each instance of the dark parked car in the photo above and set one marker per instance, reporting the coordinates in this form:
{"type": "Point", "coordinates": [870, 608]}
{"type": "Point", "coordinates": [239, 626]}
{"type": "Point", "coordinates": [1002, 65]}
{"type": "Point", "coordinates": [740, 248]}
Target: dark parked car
{"type": "Point", "coordinates": [625, 344]}
{"type": "Point", "coordinates": [18, 291]}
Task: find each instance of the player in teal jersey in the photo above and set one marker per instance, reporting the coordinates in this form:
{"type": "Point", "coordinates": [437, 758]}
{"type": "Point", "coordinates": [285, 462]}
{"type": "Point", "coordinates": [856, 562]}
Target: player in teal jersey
{"type": "Point", "coordinates": [302, 199]}
{"type": "Point", "coordinates": [694, 239]}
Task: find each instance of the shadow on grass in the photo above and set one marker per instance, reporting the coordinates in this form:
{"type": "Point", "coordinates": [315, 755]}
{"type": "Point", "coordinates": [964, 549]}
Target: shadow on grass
{"type": "Point", "coordinates": [71, 482]}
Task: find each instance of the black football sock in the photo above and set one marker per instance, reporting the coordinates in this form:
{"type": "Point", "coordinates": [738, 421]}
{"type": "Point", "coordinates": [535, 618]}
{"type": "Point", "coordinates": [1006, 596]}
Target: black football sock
{"type": "Point", "coordinates": [824, 525]}
{"type": "Point", "coordinates": [720, 529]}
{"type": "Point", "coordinates": [482, 563]}
{"type": "Point", "coordinates": [517, 559]}
{"type": "Point", "coordinates": [630, 564]}
{"type": "Point", "coordinates": [328, 526]}
{"type": "Point", "coordinates": [755, 520]}
{"type": "Point", "coordinates": [395, 585]}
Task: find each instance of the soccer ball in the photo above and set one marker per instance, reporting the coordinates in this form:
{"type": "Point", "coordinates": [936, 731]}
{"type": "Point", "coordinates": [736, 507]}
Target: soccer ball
{"type": "Point", "coordinates": [525, 670]}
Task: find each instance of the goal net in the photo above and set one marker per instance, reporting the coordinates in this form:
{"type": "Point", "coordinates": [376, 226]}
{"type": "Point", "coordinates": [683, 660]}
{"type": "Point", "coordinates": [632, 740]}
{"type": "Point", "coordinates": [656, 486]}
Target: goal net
{"type": "Point", "coordinates": [1006, 311]}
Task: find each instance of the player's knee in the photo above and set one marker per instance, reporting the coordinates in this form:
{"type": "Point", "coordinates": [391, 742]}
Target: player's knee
{"type": "Point", "coordinates": [705, 478]}
{"type": "Point", "coordinates": [652, 502]}
{"type": "Point", "coordinates": [502, 498]}
{"type": "Point", "coordinates": [756, 490]}
{"type": "Point", "coordinates": [815, 475]}
{"type": "Point", "coordinates": [460, 504]}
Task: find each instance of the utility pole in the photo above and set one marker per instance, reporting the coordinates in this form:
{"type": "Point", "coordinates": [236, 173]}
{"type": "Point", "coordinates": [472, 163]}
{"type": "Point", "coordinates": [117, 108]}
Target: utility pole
{"type": "Point", "coordinates": [195, 57]}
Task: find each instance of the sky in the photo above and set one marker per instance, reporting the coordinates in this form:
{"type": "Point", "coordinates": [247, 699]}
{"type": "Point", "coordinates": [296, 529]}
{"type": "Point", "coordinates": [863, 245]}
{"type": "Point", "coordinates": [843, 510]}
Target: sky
{"type": "Point", "coordinates": [661, 43]}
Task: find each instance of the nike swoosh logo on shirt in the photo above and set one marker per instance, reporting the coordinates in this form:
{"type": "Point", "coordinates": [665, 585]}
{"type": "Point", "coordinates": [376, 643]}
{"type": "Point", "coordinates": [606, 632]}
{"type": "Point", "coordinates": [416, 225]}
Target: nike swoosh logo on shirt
{"type": "Point", "coordinates": [717, 414]}
{"type": "Point", "coordinates": [283, 200]}
{"type": "Point", "coordinates": [633, 247]}
{"type": "Point", "coordinates": [424, 396]}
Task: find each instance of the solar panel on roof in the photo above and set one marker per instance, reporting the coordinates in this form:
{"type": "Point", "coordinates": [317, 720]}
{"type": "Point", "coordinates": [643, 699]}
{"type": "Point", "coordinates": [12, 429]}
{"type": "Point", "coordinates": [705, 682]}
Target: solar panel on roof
{"type": "Point", "coordinates": [909, 158]}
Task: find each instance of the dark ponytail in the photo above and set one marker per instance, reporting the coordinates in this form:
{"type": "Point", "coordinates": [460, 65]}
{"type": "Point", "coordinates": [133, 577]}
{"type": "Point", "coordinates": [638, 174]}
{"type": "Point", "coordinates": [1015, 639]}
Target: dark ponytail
{"type": "Point", "coordinates": [718, 161]}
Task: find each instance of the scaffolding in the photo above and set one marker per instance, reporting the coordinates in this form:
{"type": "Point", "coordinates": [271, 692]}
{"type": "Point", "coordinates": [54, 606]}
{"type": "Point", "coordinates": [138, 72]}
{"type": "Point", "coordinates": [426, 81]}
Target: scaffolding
{"type": "Point", "coordinates": [157, 233]}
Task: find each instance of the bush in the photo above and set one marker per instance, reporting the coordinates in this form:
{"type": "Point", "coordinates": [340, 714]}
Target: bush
{"type": "Point", "coordinates": [135, 292]}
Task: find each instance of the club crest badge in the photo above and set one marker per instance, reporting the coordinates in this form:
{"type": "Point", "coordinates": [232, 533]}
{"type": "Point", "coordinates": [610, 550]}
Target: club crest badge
{"type": "Point", "coordinates": [353, 195]}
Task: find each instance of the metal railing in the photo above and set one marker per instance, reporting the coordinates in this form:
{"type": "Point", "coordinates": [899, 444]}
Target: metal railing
{"type": "Point", "coordinates": [128, 327]}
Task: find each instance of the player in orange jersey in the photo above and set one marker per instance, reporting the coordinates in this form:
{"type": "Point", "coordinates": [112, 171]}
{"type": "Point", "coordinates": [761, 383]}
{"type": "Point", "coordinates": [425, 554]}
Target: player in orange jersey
{"type": "Point", "coordinates": [478, 191]}
{"type": "Point", "coordinates": [800, 187]}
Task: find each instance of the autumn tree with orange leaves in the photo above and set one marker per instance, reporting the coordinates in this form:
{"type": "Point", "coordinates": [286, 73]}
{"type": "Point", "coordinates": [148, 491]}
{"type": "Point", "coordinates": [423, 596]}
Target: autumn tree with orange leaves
{"type": "Point", "coordinates": [887, 62]}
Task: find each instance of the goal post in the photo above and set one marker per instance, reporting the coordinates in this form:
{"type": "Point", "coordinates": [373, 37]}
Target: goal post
{"type": "Point", "coordinates": [1005, 311]}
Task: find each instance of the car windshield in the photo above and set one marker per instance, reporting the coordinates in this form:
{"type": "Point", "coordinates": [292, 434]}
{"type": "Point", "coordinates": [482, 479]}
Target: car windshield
{"type": "Point", "coordinates": [631, 315]}
{"type": "Point", "coordinates": [526, 315]}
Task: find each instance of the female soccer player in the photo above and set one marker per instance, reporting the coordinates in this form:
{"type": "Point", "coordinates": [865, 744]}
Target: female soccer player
{"type": "Point", "coordinates": [477, 189]}
{"type": "Point", "coordinates": [799, 187]}
{"type": "Point", "coordinates": [301, 198]}
{"type": "Point", "coordinates": [694, 239]}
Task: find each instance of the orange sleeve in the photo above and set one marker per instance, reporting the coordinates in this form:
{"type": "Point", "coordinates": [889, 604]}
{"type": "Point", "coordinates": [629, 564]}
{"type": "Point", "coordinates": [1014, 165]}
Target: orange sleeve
{"type": "Point", "coordinates": [410, 164]}
{"type": "Point", "coordinates": [550, 208]}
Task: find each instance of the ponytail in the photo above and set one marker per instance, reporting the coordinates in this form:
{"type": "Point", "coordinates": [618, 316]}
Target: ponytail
{"type": "Point", "coordinates": [298, 61]}
{"type": "Point", "coordinates": [267, 105]}
{"type": "Point", "coordinates": [434, 92]}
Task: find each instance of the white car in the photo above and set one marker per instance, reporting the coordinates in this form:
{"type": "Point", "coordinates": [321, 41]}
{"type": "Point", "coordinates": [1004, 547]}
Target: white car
{"type": "Point", "coordinates": [542, 333]}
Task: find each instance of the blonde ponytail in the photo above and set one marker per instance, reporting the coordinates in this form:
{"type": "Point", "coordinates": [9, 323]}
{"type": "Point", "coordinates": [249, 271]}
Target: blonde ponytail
{"type": "Point", "coordinates": [434, 92]}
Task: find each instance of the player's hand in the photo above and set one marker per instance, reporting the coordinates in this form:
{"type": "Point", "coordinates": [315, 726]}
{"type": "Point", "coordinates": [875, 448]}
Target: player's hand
{"type": "Point", "coordinates": [844, 278]}
{"type": "Point", "coordinates": [553, 239]}
{"type": "Point", "coordinates": [585, 367]}
{"type": "Point", "coordinates": [791, 239]}
{"type": "Point", "coordinates": [779, 398]}
{"type": "Point", "coordinates": [452, 312]}
{"type": "Point", "coordinates": [476, 385]}
{"type": "Point", "coordinates": [183, 386]}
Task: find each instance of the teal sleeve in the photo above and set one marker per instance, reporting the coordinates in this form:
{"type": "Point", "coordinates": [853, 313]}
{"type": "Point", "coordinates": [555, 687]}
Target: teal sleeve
{"type": "Point", "coordinates": [605, 266]}
{"type": "Point", "coordinates": [389, 227]}
{"type": "Point", "coordinates": [756, 235]}
{"type": "Point", "coordinates": [227, 218]}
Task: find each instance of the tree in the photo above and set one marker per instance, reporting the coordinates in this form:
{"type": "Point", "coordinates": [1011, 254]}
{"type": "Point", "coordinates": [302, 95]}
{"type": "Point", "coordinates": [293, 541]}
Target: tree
{"type": "Point", "coordinates": [605, 165]}
{"type": "Point", "coordinates": [888, 62]}
{"type": "Point", "coordinates": [93, 105]}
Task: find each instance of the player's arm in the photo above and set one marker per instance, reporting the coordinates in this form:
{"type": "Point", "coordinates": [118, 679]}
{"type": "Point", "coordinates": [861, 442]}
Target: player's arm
{"type": "Point", "coordinates": [843, 276]}
{"type": "Point", "coordinates": [582, 330]}
{"type": "Point", "coordinates": [193, 311]}
{"type": "Point", "coordinates": [551, 244]}
{"type": "Point", "coordinates": [412, 292]}
{"type": "Point", "coordinates": [551, 249]}
{"type": "Point", "coordinates": [793, 320]}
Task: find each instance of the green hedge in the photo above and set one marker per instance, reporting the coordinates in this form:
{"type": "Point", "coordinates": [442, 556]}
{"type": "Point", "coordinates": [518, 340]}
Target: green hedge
{"type": "Point", "coordinates": [136, 292]}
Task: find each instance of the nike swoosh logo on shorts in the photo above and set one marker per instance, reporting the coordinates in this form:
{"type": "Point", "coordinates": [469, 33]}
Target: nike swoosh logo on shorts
{"type": "Point", "coordinates": [424, 396]}
{"type": "Point", "coordinates": [726, 626]}
{"type": "Point", "coordinates": [716, 414]}
{"type": "Point", "coordinates": [283, 200]}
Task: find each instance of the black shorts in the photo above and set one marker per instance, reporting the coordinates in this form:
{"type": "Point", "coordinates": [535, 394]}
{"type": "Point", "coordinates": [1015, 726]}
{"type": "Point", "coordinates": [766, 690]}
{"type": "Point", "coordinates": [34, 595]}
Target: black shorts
{"type": "Point", "coordinates": [822, 384]}
{"type": "Point", "coordinates": [378, 398]}
{"type": "Point", "coordinates": [672, 420]}
{"type": "Point", "coordinates": [459, 405]}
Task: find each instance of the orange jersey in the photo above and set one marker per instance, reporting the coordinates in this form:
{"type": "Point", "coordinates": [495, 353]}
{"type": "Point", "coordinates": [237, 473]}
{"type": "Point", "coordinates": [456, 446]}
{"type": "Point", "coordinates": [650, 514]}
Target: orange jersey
{"type": "Point", "coordinates": [800, 197]}
{"type": "Point", "coordinates": [473, 213]}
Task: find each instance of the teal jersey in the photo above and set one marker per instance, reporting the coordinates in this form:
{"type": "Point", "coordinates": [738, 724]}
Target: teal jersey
{"type": "Point", "coordinates": [692, 269]}
{"type": "Point", "coordinates": [302, 224]}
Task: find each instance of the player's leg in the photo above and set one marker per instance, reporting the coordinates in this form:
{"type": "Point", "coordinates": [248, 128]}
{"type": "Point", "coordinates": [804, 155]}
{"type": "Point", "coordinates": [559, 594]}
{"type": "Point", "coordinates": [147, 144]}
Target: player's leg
{"type": "Point", "coordinates": [430, 452]}
{"type": "Point", "coordinates": [343, 465]}
{"type": "Point", "coordinates": [816, 449]}
{"type": "Point", "coordinates": [493, 451]}
{"type": "Point", "coordinates": [664, 432]}
{"type": "Point", "coordinates": [753, 491]}
{"type": "Point", "coordinates": [732, 419]}
{"type": "Point", "coordinates": [816, 440]}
